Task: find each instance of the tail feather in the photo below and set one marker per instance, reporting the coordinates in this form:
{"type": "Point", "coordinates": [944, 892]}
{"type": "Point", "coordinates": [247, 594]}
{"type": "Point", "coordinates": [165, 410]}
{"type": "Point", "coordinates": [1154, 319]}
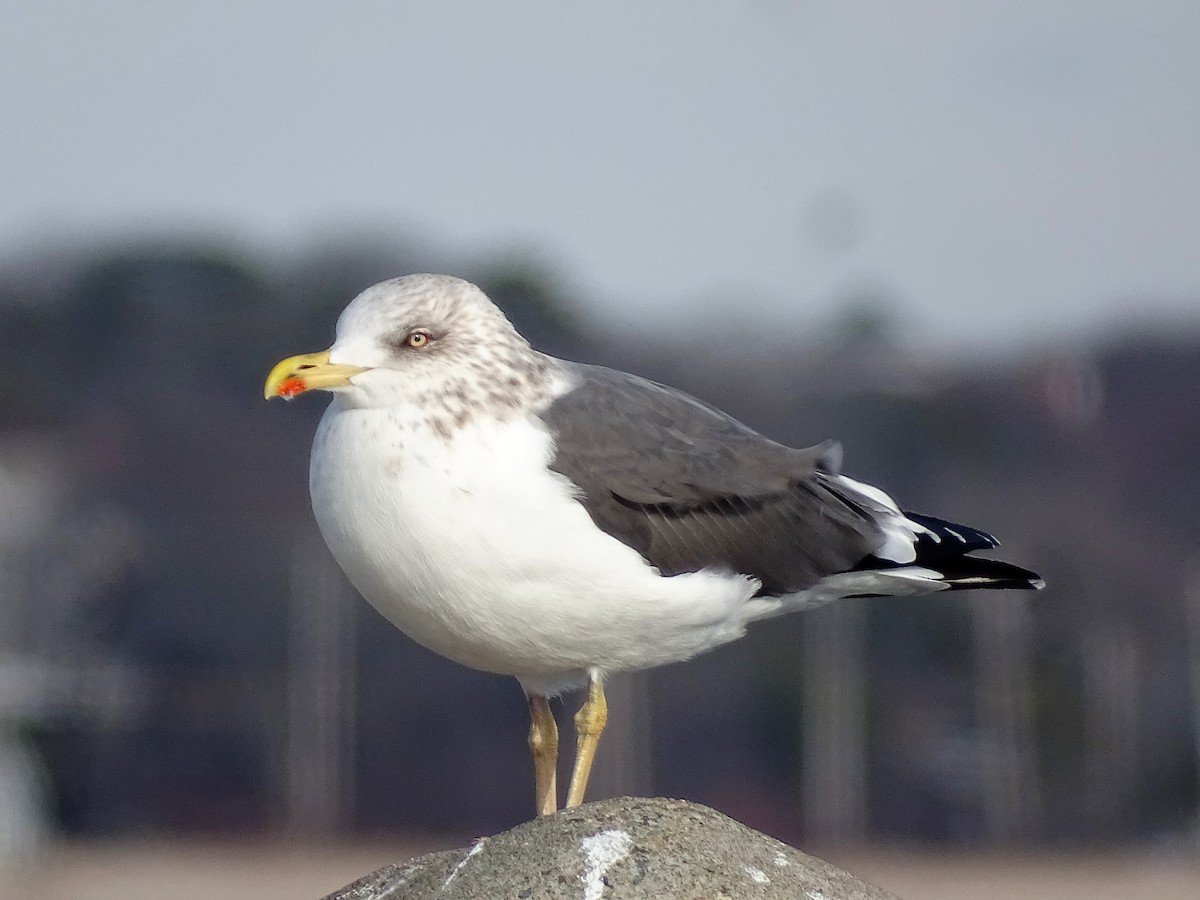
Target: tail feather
{"type": "Point", "coordinates": [963, 573]}
{"type": "Point", "coordinates": [976, 572]}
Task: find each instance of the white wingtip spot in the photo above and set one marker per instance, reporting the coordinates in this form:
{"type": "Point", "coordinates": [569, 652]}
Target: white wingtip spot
{"type": "Point", "coordinates": [899, 531]}
{"type": "Point", "coordinates": [780, 860]}
{"type": "Point", "coordinates": [601, 852]}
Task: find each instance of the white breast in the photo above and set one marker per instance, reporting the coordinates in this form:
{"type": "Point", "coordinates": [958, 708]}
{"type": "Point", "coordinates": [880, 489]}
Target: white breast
{"type": "Point", "coordinates": [474, 549]}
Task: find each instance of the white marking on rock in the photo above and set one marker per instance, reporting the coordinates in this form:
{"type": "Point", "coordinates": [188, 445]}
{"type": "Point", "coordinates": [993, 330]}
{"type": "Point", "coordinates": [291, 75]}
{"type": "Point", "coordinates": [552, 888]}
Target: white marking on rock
{"type": "Point", "coordinates": [780, 860]}
{"type": "Point", "coordinates": [602, 851]}
{"type": "Point", "coordinates": [476, 848]}
{"type": "Point", "coordinates": [756, 875]}
{"type": "Point", "coordinates": [402, 879]}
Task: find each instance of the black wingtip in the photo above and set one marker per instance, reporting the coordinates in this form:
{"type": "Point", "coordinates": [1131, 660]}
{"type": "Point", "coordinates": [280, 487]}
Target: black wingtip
{"type": "Point", "coordinates": [944, 538]}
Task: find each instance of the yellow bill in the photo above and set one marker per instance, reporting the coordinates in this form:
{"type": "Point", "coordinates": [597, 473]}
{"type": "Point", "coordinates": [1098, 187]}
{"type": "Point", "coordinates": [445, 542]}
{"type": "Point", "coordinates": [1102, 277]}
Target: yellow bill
{"type": "Point", "coordinates": [307, 372]}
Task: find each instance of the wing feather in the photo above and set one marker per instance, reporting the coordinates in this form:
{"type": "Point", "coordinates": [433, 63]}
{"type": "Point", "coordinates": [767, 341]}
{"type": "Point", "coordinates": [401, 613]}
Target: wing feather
{"type": "Point", "coordinates": [689, 487]}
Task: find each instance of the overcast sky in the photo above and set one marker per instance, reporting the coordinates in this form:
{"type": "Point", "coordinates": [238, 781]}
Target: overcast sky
{"type": "Point", "coordinates": [1005, 170]}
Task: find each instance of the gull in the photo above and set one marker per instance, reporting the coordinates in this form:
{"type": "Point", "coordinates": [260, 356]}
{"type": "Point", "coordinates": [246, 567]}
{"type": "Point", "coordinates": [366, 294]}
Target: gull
{"type": "Point", "coordinates": [560, 522]}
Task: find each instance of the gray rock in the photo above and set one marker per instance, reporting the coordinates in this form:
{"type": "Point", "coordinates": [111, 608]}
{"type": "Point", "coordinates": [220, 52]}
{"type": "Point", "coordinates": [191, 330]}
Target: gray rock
{"type": "Point", "coordinates": [623, 849]}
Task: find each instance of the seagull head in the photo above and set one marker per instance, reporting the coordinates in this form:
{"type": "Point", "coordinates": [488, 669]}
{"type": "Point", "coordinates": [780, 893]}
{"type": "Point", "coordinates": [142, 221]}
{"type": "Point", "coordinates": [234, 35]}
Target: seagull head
{"type": "Point", "coordinates": [420, 339]}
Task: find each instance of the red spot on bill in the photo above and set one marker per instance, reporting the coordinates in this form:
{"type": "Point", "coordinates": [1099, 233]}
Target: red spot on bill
{"type": "Point", "coordinates": [291, 387]}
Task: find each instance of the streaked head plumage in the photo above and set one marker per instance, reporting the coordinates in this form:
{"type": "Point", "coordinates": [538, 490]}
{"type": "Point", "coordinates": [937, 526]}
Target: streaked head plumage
{"type": "Point", "coordinates": [433, 342]}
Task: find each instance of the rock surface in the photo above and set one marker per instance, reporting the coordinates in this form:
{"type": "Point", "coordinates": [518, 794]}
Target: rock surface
{"type": "Point", "coordinates": [631, 848]}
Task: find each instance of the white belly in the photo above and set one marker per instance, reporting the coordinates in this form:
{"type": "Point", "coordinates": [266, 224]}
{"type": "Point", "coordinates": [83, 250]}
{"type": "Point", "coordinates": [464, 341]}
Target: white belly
{"type": "Point", "coordinates": [472, 550]}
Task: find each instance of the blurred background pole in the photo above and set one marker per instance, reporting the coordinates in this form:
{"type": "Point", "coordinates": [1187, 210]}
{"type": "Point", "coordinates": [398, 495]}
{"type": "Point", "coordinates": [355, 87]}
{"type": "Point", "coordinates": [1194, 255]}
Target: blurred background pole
{"type": "Point", "coordinates": [1111, 682]}
{"type": "Point", "coordinates": [834, 788]}
{"type": "Point", "coordinates": [1192, 610]}
{"type": "Point", "coordinates": [624, 766]}
{"type": "Point", "coordinates": [321, 707]}
{"type": "Point", "coordinates": [1012, 795]}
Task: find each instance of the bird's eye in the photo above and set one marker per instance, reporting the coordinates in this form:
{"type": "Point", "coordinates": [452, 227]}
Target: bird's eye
{"type": "Point", "coordinates": [417, 339]}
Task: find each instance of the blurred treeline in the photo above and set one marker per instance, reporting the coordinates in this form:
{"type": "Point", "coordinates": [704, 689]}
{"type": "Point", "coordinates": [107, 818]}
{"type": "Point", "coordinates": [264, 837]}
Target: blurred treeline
{"type": "Point", "coordinates": [177, 654]}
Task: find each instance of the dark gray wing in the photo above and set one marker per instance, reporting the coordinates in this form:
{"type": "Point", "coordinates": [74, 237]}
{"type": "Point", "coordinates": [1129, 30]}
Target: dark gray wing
{"type": "Point", "coordinates": [689, 487]}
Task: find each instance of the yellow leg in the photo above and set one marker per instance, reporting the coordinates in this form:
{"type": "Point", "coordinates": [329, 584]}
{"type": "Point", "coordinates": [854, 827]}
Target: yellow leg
{"type": "Point", "coordinates": [589, 724]}
{"type": "Point", "coordinates": [543, 741]}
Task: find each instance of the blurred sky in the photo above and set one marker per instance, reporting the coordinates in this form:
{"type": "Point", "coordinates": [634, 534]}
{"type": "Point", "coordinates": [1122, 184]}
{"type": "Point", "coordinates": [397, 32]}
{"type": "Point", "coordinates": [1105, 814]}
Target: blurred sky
{"type": "Point", "coordinates": [1007, 170]}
